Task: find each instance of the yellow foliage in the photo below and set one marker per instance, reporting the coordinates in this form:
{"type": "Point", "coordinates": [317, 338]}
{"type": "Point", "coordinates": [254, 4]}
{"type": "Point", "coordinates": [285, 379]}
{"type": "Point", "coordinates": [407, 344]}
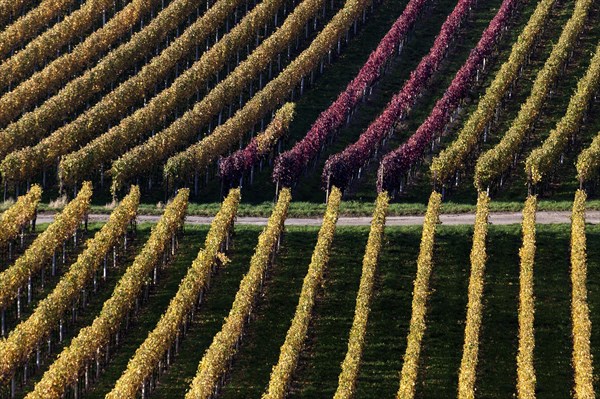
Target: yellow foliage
{"type": "Point", "coordinates": [62, 69]}
{"type": "Point", "coordinates": [43, 247]}
{"type": "Point", "coordinates": [89, 124]}
{"type": "Point", "coordinates": [25, 337]}
{"type": "Point", "coordinates": [580, 312]}
{"type": "Point", "coordinates": [32, 22]}
{"type": "Point", "coordinates": [525, 367]}
{"type": "Point", "coordinates": [450, 160]}
{"type": "Point", "coordinates": [277, 128]}
{"type": "Point", "coordinates": [493, 163]}
{"type": "Point", "coordinates": [588, 162]}
{"type": "Point", "coordinates": [18, 215]}
{"type": "Point", "coordinates": [543, 159]}
{"type": "Point", "coordinates": [468, 364]}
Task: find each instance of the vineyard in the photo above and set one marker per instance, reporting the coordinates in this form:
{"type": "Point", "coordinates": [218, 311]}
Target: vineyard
{"type": "Point", "coordinates": [205, 199]}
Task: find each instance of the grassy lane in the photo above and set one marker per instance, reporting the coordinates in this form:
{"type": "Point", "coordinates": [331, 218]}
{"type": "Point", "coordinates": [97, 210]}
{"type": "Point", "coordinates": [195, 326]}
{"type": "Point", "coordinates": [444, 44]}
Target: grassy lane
{"type": "Point", "coordinates": [271, 318]}
{"type": "Point", "coordinates": [150, 313]}
{"type": "Point", "coordinates": [499, 333]}
{"type": "Point", "coordinates": [176, 381]}
{"type": "Point", "coordinates": [96, 300]}
{"type": "Point", "coordinates": [389, 319]}
{"type": "Point", "coordinates": [552, 355]}
{"type": "Point", "coordinates": [319, 363]}
{"type": "Point", "coordinates": [443, 339]}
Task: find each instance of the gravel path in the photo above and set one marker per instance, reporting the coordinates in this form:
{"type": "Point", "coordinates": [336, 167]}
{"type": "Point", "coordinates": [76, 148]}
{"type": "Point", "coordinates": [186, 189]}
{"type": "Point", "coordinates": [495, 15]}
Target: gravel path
{"type": "Point", "coordinates": [544, 217]}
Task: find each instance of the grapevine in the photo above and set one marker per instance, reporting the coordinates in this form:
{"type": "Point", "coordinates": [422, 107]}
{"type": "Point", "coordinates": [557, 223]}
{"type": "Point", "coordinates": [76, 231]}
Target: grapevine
{"type": "Point", "coordinates": [232, 168]}
{"type": "Point", "coordinates": [24, 339]}
{"type": "Point", "coordinates": [120, 138]}
{"type": "Point", "coordinates": [525, 366]}
{"type": "Point", "coordinates": [542, 160]}
{"type": "Point", "coordinates": [148, 355]}
{"type": "Point", "coordinates": [356, 342]}
{"type": "Point", "coordinates": [216, 360]}
{"type": "Point", "coordinates": [18, 215]}
{"type": "Point", "coordinates": [340, 168]}
{"type": "Point", "coordinates": [468, 364]}
{"type": "Point", "coordinates": [87, 344]}
{"type": "Point", "coordinates": [408, 376]}
{"type": "Point", "coordinates": [200, 155]}
{"type": "Point", "coordinates": [294, 340]}
{"type": "Point", "coordinates": [290, 164]}
{"type": "Point", "coordinates": [580, 312]}
{"type": "Point", "coordinates": [450, 160]}
{"type": "Point", "coordinates": [495, 162]}
{"type": "Point", "coordinates": [42, 249]}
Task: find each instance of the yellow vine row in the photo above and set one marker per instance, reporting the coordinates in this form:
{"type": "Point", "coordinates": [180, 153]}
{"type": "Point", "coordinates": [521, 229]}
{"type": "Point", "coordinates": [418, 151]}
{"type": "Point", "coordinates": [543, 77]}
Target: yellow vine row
{"type": "Point", "coordinates": [90, 340]}
{"type": "Point", "coordinates": [451, 159]}
{"type": "Point", "coordinates": [351, 363]}
{"type": "Point", "coordinates": [35, 125]}
{"type": "Point", "coordinates": [43, 247]}
{"type": "Point", "coordinates": [18, 215]}
{"type": "Point", "coordinates": [23, 340]}
{"type": "Point", "coordinates": [410, 367]}
{"type": "Point", "coordinates": [543, 159]}
{"type": "Point", "coordinates": [281, 374]}
{"type": "Point", "coordinates": [525, 367]}
{"type": "Point", "coordinates": [468, 364]}
{"type": "Point", "coordinates": [588, 162]}
{"type": "Point", "coordinates": [216, 360]}
{"type": "Point", "coordinates": [62, 69]}
{"type": "Point", "coordinates": [495, 162]}
{"type": "Point", "coordinates": [151, 351]}
{"type": "Point", "coordinates": [28, 25]}
{"type": "Point", "coordinates": [580, 312]}
{"type": "Point", "coordinates": [11, 8]}
{"type": "Point", "coordinates": [276, 129]}
{"type": "Point", "coordinates": [25, 163]}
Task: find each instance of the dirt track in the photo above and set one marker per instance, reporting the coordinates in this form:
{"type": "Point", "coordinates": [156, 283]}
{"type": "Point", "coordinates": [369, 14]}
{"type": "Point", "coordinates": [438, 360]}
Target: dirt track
{"type": "Point", "coordinates": [544, 217]}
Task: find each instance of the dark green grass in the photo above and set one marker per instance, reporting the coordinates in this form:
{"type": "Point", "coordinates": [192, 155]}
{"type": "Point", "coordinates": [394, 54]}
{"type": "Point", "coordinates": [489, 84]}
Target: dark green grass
{"type": "Point", "coordinates": [388, 323]}
{"type": "Point", "coordinates": [318, 367]}
{"type": "Point", "coordinates": [499, 343]}
{"type": "Point", "coordinates": [552, 314]}
{"type": "Point", "coordinates": [389, 319]}
{"type": "Point", "coordinates": [442, 342]}
{"type": "Point", "coordinates": [210, 319]}
{"type": "Point", "coordinates": [593, 285]}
